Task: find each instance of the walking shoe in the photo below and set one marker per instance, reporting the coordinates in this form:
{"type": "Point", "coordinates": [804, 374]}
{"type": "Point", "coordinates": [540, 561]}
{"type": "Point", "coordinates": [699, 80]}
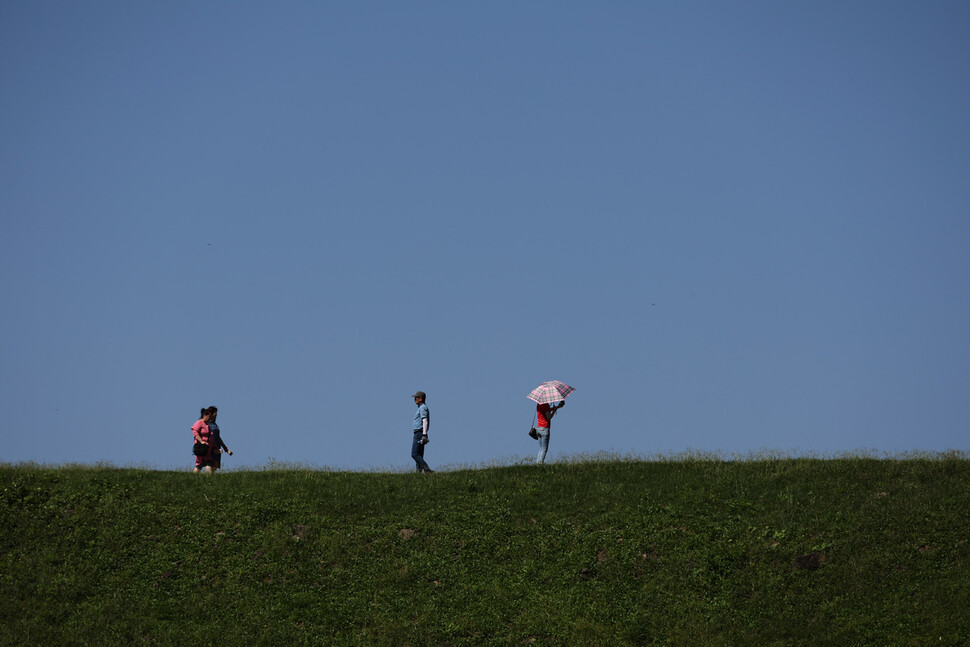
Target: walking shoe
{"type": "Point", "coordinates": [429, 471]}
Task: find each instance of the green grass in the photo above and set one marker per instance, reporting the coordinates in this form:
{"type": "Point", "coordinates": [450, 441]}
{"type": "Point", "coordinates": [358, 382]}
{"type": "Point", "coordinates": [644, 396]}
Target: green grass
{"type": "Point", "coordinates": [687, 551]}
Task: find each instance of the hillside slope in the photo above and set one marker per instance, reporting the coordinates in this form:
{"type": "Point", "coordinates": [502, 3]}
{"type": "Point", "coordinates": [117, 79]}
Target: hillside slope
{"type": "Point", "coordinates": [681, 552]}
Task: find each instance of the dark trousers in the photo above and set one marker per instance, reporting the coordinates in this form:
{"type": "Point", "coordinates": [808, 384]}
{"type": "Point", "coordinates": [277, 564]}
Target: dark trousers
{"type": "Point", "coordinates": [417, 452]}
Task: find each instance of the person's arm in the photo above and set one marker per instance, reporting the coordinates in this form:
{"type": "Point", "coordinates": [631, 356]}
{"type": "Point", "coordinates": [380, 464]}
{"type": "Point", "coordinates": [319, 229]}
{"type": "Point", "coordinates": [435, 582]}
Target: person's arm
{"type": "Point", "coordinates": [425, 425]}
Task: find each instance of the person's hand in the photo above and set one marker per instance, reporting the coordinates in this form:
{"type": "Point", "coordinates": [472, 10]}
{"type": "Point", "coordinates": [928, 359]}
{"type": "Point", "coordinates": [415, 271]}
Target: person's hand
{"type": "Point", "coordinates": [562, 404]}
{"type": "Point", "coordinates": [425, 440]}
{"type": "Point", "coordinates": [230, 452]}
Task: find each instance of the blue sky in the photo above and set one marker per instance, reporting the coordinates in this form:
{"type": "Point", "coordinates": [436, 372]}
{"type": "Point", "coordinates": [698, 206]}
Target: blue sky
{"type": "Point", "coordinates": [731, 226]}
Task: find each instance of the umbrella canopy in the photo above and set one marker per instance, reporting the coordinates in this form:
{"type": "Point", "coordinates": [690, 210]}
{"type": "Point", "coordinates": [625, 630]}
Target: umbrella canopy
{"type": "Point", "coordinates": [551, 391]}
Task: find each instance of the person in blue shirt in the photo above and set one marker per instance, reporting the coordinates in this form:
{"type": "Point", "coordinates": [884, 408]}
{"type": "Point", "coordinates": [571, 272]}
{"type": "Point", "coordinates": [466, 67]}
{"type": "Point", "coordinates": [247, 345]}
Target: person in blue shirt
{"type": "Point", "coordinates": [422, 422]}
{"type": "Point", "coordinates": [218, 446]}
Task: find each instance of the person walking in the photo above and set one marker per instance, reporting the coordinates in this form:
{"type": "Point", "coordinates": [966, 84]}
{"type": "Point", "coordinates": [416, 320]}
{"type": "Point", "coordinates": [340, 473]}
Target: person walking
{"type": "Point", "coordinates": [202, 436]}
{"type": "Point", "coordinates": [216, 440]}
{"type": "Point", "coordinates": [544, 414]}
{"type": "Point", "coordinates": [422, 422]}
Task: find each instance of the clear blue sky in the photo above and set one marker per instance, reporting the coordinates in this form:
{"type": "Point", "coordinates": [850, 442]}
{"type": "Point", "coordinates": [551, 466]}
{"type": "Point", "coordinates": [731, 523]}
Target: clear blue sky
{"type": "Point", "coordinates": [732, 226]}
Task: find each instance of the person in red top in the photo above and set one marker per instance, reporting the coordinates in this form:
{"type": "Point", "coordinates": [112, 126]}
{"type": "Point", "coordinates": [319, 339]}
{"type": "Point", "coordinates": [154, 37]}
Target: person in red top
{"type": "Point", "coordinates": [202, 434]}
{"type": "Point", "coordinates": [544, 414]}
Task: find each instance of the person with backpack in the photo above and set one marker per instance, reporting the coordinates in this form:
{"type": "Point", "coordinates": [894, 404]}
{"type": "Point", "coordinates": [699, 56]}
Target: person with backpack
{"type": "Point", "coordinates": [202, 447]}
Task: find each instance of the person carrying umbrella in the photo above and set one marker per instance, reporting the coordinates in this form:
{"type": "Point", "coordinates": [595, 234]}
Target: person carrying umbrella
{"type": "Point", "coordinates": [544, 395]}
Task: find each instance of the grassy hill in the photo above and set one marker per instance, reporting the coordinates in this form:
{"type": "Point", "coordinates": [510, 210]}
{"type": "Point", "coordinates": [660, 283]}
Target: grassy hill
{"type": "Point", "coordinates": [688, 551]}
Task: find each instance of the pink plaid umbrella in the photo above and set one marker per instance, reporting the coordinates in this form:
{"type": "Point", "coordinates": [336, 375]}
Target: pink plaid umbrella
{"type": "Point", "coordinates": [551, 391]}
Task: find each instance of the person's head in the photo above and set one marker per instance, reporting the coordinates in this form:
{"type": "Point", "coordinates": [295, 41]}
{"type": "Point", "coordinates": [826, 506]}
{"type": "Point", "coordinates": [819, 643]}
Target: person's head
{"type": "Point", "coordinates": [204, 415]}
{"type": "Point", "coordinates": [419, 397]}
{"type": "Point", "coordinates": [213, 412]}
